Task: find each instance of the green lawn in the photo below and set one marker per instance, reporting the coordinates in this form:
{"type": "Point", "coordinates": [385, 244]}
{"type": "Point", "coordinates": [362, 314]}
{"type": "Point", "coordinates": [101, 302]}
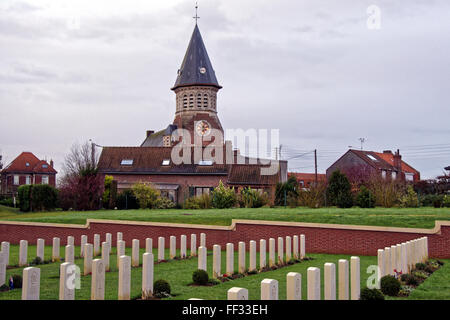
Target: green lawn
{"type": "Point", "coordinates": [179, 274]}
{"type": "Point", "coordinates": [393, 217]}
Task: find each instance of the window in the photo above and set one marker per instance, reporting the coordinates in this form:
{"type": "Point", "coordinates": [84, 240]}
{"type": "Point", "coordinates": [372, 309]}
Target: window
{"type": "Point", "coordinates": [166, 162]}
{"type": "Point", "coordinates": [394, 175]}
{"type": "Point", "coordinates": [199, 100]}
{"type": "Point", "coordinates": [166, 141]}
{"type": "Point", "coordinates": [44, 166]}
{"type": "Point", "coordinates": [409, 176]}
{"type": "Point", "coordinates": [44, 179]}
{"type": "Point", "coordinates": [205, 100]}
{"type": "Point", "coordinates": [371, 157]}
{"type": "Point", "coordinates": [16, 180]}
{"type": "Point", "coordinates": [185, 101]}
{"type": "Point", "coordinates": [301, 183]}
{"type": "Point", "coordinates": [191, 100]}
{"type": "Point", "coordinates": [28, 180]}
{"type": "Point", "coordinates": [126, 162]}
{"type": "Point", "coordinates": [27, 164]}
{"type": "Point", "coordinates": [383, 174]}
{"type": "Point", "coordinates": [205, 163]}
{"type": "Point", "coordinates": [202, 190]}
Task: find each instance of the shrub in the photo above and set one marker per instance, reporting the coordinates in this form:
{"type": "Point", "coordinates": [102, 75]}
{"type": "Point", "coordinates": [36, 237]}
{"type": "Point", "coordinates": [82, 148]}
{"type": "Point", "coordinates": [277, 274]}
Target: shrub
{"type": "Point", "coordinates": [81, 192]}
{"type": "Point", "coordinates": [386, 192]}
{"type": "Point", "coordinates": [161, 288]}
{"type": "Point", "coordinates": [371, 294]}
{"type": "Point", "coordinates": [146, 195]}
{"type": "Point", "coordinates": [191, 203]}
{"type": "Point", "coordinates": [251, 198]}
{"type": "Point", "coordinates": [4, 288]}
{"type": "Point", "coordinates": [410, 199]}
{"type": "Point", "coordinates": [438, 201]}
{"type": "Point", "coordinates": [127, 200]}
{"type": "Point", "coordinates": [313, 197]}
{"type": "Point", "coordinates": [17, 281]}
{"type": "Point", "coordinates": [420, 275]}
{"type": "Point", "coordinates": [420, 266]}
{"type": "Point", "coordinates": [410, 280]}
{"type": "Point", "coordinates": [24, 195]}
{"type": "Point", "coordinates": [200, 202]}
{"type": "Point", "coordinates": [446, 201]}
{"type": "Point", "coordinates": [365, 198]}
{"type": "Point", "coordinates": [36, 261]}
{"type": "Point", "coordinates": [163, 203]}
{"type": "Point", "coordinates": [200, 277]}
{"type": "Point", "coordinates": [9, 202]}
{"type": "Point", "coordinates": [285, 190]}
{"type": "Point", "coordinates": [223, 197]}
{"type": "Point", "coordinates": [44, 197]}
{"type": "Point", "coordinates": [107, 192]}
{"type": "Point", "coordinates": [390, 285]}
{"type": "Point", "coordinates": [339, 190]}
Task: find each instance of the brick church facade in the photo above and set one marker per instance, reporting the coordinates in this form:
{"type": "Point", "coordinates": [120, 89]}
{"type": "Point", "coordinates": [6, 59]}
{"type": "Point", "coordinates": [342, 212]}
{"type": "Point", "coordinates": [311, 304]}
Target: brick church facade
{"type": "Point", "coordinates": [196, 135]}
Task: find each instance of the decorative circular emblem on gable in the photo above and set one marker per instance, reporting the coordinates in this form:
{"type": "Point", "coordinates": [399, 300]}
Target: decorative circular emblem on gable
{"type": "Point", "coordinates": [202, 70]}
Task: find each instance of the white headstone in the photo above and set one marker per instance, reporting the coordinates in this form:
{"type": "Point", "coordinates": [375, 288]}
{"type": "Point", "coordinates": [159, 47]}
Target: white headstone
{"type": "Point", "coordinates": [343, 280]}
{"type": "Point", "coordinates": [69, 255]}
{"type": "Point", "coordinates": [135, 253]}
{"type": "Point", "coordinates": [5, 250]}
{"type": "Point", "coordinates": [97, 251]}
{"type": "Point", "coordinates": [2, 268]}
{"type": "Point", "coordinates": [23, 253]}
{"type": "Point", "coordinates": [40, 246]}
{"type": "Point", "coordinates": [355, 278]}
{"type": "Point", "coordinates": [398, 257]}
{"type": "Point", "coordinates": [193, 245]}
{"type": "Point", "coordinates": [381, 263]}
{"type": "Point", "coordinates": [148, 245]}
{"type": "Point", "coordinates": [295, 248]}
{"type": "Point", "coordinates": [202, 240]}
{"type": "Point", "coordinates": [272, 259]}
{"type": "Point", "coordinates": [173, 247]}
{"type": "Point", "coordinates": [70, 241]}
{"type": "Point", "coordinates": [31, 283]}
{"type": "Point", "coordinates": [393, 259]}
{"type": "Point", "coordinates": [302, 246]}
{"type": "Point", "coordinates": [98, 280]}
{"type": "Point", "coordinates": [84, 240]}
{"type": "Point", "coordinates": [120, 250]}
{"type": "Point", "coordinates": [119, 238]}
{"type": "Point", "coordinates": [106, 250]}
{"type": "Point", "coordinates": [269, 289]}
{"type": "Point", "coordinates": [161, 248]}
{"type": "Point", "coordinates": [288, 249]}
{"type": "Point", "coordinates": [388, 265]}
{"type": "Point", "coordinates": [241, 257]}
{"type": "Point", "coordinates": [404, 257]}
{"type": "Point", "coordinates": [230, 259]}
{"type": "Point", "coordinates": [124, 277]}
{"type": "Point", "coordinates": [426, 247]}
{"type": "Point", "coordinates": [262, 254]}
{"type": "Point", "coordinates": [56, 256]}
{"type": "Point", "coordinates": [252, 263]}
{"type": "Point", "coordinates": [67, 281]}
{"type": "Point", "coordinates": [313, 283]}
{"type": "Point", "coordinates": [216, 261]}
{"type": "Point", "coordinates": [280, 255]}
{"type": "Point", "coordinates": [183, 250]}
{"type": "Point", "coordinates": [147, 274]}
{"type": "Point", "coordinates": [329, 285]}
{"type": "Point", "coordinates": [294, 286]}
{"type": "Point", "coordinates": [108, 238]}
{"type": "Point", "coordinates": [88, 253]}
{"type": "Point", "coordinates": [236, 293]}
{"type": "Point", "coordinates": [202, 258]}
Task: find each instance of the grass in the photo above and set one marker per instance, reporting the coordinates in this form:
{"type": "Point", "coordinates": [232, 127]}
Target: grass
{"type": "Point", "coordinates": [391, 217]}
{"type": "Point", "coordinates": [179, 274]}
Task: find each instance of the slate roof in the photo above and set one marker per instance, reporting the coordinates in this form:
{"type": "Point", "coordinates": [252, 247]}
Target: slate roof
{"type": "Point", "coordinates": [196, 68]}
{"type": "Point", "coordinates": [156, 139]}
{"type": "Point", "coordinates": [27, 162]}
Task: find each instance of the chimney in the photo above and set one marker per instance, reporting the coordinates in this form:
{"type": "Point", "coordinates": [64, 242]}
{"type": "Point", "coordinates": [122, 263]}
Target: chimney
{"type": "Point", "coordinates": [149, 133]}
{"type": "Point", "coordinates": [398, 161]}
{"type": "Point", "coordinates": [51, 163]}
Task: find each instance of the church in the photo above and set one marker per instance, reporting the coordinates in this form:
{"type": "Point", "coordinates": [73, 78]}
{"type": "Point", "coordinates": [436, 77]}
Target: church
{"type": "Point", "coordinates": [196, 137]}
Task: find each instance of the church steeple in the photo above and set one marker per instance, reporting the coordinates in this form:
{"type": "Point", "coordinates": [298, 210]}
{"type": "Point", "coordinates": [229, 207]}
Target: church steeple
{"type": "Point", "coordinates": [196, 68]}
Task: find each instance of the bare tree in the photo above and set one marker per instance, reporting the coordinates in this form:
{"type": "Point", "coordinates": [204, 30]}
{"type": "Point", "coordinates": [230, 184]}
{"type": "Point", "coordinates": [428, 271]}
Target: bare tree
{"type": "Point", "coordinates": [82, 160]}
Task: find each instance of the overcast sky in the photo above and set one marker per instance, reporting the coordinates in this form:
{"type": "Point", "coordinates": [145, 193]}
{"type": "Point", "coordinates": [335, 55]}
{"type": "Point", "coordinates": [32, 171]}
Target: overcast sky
{"type": "Point", "coordinates": [89, 69]}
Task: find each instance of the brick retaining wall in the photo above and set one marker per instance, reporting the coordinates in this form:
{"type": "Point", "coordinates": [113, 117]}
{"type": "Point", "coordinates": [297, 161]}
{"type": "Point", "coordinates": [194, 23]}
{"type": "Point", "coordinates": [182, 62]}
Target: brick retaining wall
{"type": "Point", "coordinates": [320, 238]}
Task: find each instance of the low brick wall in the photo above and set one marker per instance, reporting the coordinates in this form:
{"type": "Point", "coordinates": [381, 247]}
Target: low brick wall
{"type": "Point", "coordinates": [320, 238]}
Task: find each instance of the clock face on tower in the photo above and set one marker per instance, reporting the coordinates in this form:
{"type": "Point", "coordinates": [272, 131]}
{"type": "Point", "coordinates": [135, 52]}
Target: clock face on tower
{"type": "Point", "coordinates": [203, 128]}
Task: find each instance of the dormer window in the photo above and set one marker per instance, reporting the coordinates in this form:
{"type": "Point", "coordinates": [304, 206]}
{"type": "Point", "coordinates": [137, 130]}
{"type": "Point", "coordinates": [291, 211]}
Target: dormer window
{"type": "Point", "coordinates": [44, 166]}
{"type": "Point", "coordinates": [166, 162]}
{"type": "Point", "coordinates": [126, 162]}
{"type": "Point", "coordinates": [27, 164]}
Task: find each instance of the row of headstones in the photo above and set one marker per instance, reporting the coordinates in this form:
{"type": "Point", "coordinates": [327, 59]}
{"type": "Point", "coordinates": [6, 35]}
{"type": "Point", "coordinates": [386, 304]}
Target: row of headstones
{"type": "Point", "coordinates": [293, 251]}
{"type": "Point", "coordinates": [269, 287]}
{"type": "Point", "coordinates": [402, 257]}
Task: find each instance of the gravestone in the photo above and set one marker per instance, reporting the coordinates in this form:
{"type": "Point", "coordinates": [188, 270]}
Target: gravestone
{"type": "Point", "coordinates": [96, 245]}
{"type": "Point", "coordinates": [313, 283]}
{"type": "Point", "coordinates": [23, 253]}
{"type": "Point", "coordinates": [56, 255]}
{"type": "Point", "coordinates": [2, 268]}
{"type": "Point", "coordinates": [70, 241]}
{"type": "Point", "coordinates": [302, 246]}
{"type": "Point", "coordinates": [108, 238]}
{"type": "Point", "coordinates": [161, 247]}
{"type": "Point", "coordinates": [241, 257]}
{"type": "Point", "coordinates": [193, 245]}
{"type": "Point", "coordinates": [173, 247]}
{"type": "Point", "coordinates": [124, 277]}
{"type": "Point", "coordinates": [135, 253]}
{"type": "Point", "coordinates": [84, 240]}
{"type": "Point", "coordinates": [98, 280]}
{"type": "Point", "coordinates": [262, 254]}
{"type": "Point", "coordinates": [272, 260]}
{"type": "Point", "coordinates": [294, 286]}
{"type": "Point", "coordinates": [5, 250]}
{"type": "Point", "coordinates": [67, 281]}
{"type": "Point", "coordinates": [149, 245]}
{"type": "Point", "coordinates": [202, 258]}
{"type": "Point", "coordinates": [40, 247]}
{"type": "Point", "coordinates": [106, 250]}
{"type": "Point", "coordinates": [343, 280]}
{"type": "Point", "coordinates": [69, 255]}
{"type": "Point", "coordinates": [288, 248]}
{"type": "Point", "coordinates": [280, 256]}
{"type": "Point", "coordinates": [120, 250]}
{"type": "Point", "coordinates": [147, 274]}
{"type": "Point", "coordinates": [252, 263]}
{"type": "Point", "coordinates": [398, 257]}
{"type": "Point", "coordinates": [295, 248]}
{"type": "Point", "coordinates": [31, 283]}
{"type": "Point", "coordinates": [387, 259]}
{"type": "Point", "coordinates": [236, 293]}
{"type": "Point", "coordinates": [88, 253]}
{"type": "Point", "coordinates": [269, 289]}
{"type": "Point", "coordinates": [329, 285]}
{"type": "Point", "coordinates": [202, 240]}
{"type": "Point", "coordinates": [216, 261]}
{"type": "Point", "coordinates": [230, 259]}
{"type": "Point", "coordinates": [355, 278]}
{"type": "Point", "coordinates": [404, 257]}
{"type": "Point", "coordinates": [381, 263]}
{"type": "Point", "coordinates": [393, 259]}
{"type": "Point", "coordinates": [183, 240]}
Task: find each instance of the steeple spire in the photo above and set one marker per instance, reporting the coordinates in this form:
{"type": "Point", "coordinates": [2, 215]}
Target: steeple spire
{"type": "Point", "coordinates": [196, 68]}
{"type": "Point", "coordinates": [196, 17]}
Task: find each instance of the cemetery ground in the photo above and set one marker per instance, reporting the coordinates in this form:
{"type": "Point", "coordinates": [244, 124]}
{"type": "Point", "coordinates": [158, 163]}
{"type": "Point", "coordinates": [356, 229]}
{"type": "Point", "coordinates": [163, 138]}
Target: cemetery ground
{"type": "Point", "coordinates": [423, 217]}
{"type": "Point", "coordinates": [179, 275]}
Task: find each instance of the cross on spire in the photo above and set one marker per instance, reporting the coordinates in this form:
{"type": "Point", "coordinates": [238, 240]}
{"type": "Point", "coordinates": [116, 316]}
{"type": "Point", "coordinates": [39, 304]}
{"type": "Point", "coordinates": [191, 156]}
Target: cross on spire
{"type": "Point", "coordinates": [196, 17]}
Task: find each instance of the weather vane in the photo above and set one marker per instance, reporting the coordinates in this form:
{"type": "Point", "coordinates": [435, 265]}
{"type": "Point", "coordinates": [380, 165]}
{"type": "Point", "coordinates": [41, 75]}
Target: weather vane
{"type": "Point", "coordinates": [196, 16]}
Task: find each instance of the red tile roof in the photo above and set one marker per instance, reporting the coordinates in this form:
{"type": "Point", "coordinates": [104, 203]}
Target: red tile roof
{"type": "Point", "coordinates": [308, 176]}
{"type": "Point", "coordinates": [27, 162]}
{"type": "Point", "coordinates": [382, 160]}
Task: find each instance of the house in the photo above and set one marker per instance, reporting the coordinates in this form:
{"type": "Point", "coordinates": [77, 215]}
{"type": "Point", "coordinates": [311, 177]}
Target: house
{"type": "Point", "coordinates": [361, 165]}
{"type": "Point", "coordinates": [26, 169]}
{"type": "Point", "coordinates": [306, 180]}
{"type": "Point", "coordinates": [196, 116]}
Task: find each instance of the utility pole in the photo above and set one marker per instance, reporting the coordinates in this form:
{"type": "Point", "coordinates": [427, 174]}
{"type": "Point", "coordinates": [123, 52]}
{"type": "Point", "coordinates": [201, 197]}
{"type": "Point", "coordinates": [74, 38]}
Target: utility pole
{"type": "Point", "coordinates": [315, 164]}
